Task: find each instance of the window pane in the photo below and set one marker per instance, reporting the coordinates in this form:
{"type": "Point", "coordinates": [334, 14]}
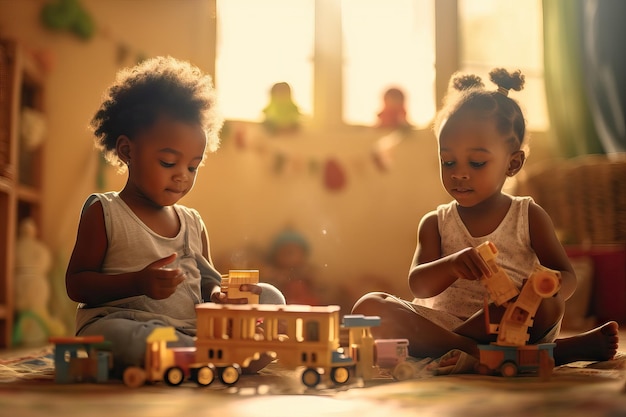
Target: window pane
{"type": "Point", "coordinates": [506, 33]}
{"type": "Point", "coordinates": [388, 43]}
{"type": "Point", "coordinates": [259, 44]}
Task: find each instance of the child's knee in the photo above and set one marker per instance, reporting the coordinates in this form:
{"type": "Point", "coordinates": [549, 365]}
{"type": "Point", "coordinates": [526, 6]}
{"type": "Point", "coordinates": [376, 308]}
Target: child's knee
{"type": "Point", "coordinates": [548, 316]}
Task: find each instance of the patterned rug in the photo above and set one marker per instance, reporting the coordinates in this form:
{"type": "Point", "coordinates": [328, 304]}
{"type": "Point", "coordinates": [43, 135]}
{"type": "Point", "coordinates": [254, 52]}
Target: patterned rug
{"type": "Point", "coordinates": [581, 389]}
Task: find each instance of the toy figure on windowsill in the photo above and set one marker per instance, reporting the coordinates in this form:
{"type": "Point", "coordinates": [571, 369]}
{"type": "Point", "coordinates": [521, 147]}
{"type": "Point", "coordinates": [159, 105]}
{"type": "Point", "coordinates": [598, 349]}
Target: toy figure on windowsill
{"type": "Point", "coordinates": [281, 114]}
{"type": "Point", "coordinates": [393, 114]}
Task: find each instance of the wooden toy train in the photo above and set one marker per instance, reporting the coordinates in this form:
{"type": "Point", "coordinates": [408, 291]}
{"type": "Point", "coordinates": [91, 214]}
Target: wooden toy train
{"type": "Point", "coordinates": [230, 336]}
{"type": "Point", "coordinates": [228, 340]}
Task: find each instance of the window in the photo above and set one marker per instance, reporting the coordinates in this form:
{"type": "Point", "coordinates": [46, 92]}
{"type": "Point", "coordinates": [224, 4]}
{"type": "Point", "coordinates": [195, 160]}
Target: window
{"type": "Point", "coordinates": [312, 332]}
{"type": "Point", "coordinates": [342, 55]}
{"type": "Point", "coordinates": [506, 33]}
{"type": "Point", "coordinates": [260, 43]}
{"type": "Point", "coordinates": [388, 44]}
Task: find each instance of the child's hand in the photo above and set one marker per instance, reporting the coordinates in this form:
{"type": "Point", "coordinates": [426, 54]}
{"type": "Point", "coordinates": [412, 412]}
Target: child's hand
{"type": "Point", "coordinates": [222, 298]}
{"type": "Point", "coordinates": [468, 264]}
{"type": "Point", "coordinates": [159, 282]}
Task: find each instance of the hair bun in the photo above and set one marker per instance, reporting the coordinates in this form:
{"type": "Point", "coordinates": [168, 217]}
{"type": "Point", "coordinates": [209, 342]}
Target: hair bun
{"type": "Point", "coordinates": [463, 82]}
{"type": "Point", "coordinates": [508, 80]}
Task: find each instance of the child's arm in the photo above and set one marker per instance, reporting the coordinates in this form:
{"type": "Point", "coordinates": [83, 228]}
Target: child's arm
{"type": "Point", "coordinates": [549, 250]}
{"type": "Point", "coordinates": [431, 274]}
{"type": "Point", "coordinates": [85, 283]}
{"type": "Point", "coordinates": [211, 289]}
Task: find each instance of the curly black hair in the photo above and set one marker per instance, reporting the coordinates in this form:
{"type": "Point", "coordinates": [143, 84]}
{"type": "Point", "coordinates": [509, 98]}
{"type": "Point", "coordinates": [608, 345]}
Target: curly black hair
{"type": "Point", "coordinates": [468, 92]}
{"type": "Point", "coordinates": [157, 86]}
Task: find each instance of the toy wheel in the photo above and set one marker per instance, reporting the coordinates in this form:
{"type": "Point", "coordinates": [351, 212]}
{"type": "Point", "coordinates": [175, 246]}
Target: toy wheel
{"type": "Point", "coordinates": [134, 377]}
{"type": "Point", "coordinates": [310, 377]}
{"type": "Point", "coordinates": [340, 375]}
{"type": "Point", "coordinates": [508, 369]}
{"type": "Point", "coordinates": [174, 376]}
{"type": "Point", "coordinates": [205, 375]}
{"type": "Point", "coordinates": [230, 374]}
{"type": "Point", "coordinates": [402, 371]}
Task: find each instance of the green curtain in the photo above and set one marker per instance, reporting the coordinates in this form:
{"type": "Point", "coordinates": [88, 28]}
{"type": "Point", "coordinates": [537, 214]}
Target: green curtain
{"type": "Point", "coordinates": [567, 100]}
{"type": "Point", "coordinates": [605, 70]}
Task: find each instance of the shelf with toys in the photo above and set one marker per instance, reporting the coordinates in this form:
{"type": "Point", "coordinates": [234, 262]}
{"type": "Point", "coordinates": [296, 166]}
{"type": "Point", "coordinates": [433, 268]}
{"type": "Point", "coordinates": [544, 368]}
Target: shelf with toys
{"type": "Point", "coordinates": [22, 132]}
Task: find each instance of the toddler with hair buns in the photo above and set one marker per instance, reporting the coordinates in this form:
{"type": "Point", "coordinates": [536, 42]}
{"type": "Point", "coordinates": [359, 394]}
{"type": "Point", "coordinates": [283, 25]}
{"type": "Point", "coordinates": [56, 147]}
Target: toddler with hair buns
{"type": "Point", "coordinates": [481, 135]}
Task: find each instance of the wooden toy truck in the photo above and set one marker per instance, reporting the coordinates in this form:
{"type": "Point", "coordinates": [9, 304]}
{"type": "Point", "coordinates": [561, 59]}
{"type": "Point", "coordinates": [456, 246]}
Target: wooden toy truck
{"type": "Point", "coordinates": [227, 341]}
{"type": "Point", "coordinates": [510, 354]}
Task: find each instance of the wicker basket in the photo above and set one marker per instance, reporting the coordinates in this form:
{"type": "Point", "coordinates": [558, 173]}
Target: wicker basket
{"type": "Point", "coordinates": [585, 196]}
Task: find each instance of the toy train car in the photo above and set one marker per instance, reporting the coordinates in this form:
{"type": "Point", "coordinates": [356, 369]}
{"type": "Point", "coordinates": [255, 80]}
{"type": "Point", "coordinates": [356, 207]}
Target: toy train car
{"type": "Point", "coordinates": [297, 335]}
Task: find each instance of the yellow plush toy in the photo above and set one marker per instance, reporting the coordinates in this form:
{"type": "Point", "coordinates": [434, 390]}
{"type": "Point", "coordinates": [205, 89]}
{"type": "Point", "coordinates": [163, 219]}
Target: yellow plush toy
{"type": "Point", "coordinates": [281, 114]}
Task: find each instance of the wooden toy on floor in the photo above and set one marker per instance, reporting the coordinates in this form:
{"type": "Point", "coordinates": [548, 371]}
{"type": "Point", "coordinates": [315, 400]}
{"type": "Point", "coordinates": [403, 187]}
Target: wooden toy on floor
{"type": "Point", "coordinates": [81, 359]}
{"type": "Point", "coordinates": [510, 354]}
{"type": "Point", "coordinates": [299, 336]}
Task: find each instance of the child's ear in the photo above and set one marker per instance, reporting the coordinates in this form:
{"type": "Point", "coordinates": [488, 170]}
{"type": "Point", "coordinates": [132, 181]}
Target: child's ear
{"type": "Point", "coordinates": [123, 148]}
{"type": "Point", "coordinates": [516, 163]}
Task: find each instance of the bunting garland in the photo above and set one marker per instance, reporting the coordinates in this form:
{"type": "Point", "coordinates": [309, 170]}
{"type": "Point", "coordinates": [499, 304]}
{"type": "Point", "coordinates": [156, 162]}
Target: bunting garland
{"type": "Point", "coordinates": [332, 170]}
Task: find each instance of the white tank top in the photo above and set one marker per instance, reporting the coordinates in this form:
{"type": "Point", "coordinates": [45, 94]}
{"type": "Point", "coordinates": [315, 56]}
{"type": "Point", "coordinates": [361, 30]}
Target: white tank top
{"type": "Point", "coordinates": [132, 246]}
{"type": "Point", "coordinates": [515, 254]}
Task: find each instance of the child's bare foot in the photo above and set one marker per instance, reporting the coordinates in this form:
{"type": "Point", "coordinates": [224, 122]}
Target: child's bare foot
{"type": "Point", "coordinates": [599, 344]}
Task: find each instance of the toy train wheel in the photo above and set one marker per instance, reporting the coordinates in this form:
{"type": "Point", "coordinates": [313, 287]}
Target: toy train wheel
{"type": "Point", "coordinates": [310, 377]}
{"type": "Point", "coordinates": [230, 374]}
{"type": "Point", "coordinates": [134, 377]}
{"type": "Point", "coordinates": [508, 369]}
{"type": "Point", "coordinates": [174, 376]}
{"type": "Point", "coordinates": [340, 375]}
{"type": "Point", "coordinates": [402, 371]}
{"type": "Point", "coordinates": [205, 375]}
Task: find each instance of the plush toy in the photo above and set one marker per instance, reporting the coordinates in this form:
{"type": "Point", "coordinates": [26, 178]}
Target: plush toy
{"type": "Point", "coordinates": [289, 268]}
{"type": "Point", "coordinates": [68, 15]}
{"type": "Point", "coordinates": [34, 324]}
{"type": "Point", "coordinates": [281, 114]}
{"type": "Point", "coordinates": [393, 114]}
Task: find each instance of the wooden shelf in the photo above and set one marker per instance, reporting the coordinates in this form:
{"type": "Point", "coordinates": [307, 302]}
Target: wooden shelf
{"type": "Point", "coordinates": [6, 185]}
{"type": "Point", "coordinates": [28, 194]}
{"type": "Point", "coordinates": [22, 85]}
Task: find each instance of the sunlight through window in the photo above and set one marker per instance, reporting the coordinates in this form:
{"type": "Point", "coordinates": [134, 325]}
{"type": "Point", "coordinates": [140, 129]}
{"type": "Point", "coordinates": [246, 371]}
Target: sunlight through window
{"type": "Point", "coordinates": [261, 43]}
{"type": "Point", "coordinates": [388, 44]}
{"type": "Point", "coordinates": [385, 44]}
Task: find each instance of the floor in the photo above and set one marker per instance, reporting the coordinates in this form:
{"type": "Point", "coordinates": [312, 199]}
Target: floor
{"type": "Point", "coordinates": [580, 389]}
